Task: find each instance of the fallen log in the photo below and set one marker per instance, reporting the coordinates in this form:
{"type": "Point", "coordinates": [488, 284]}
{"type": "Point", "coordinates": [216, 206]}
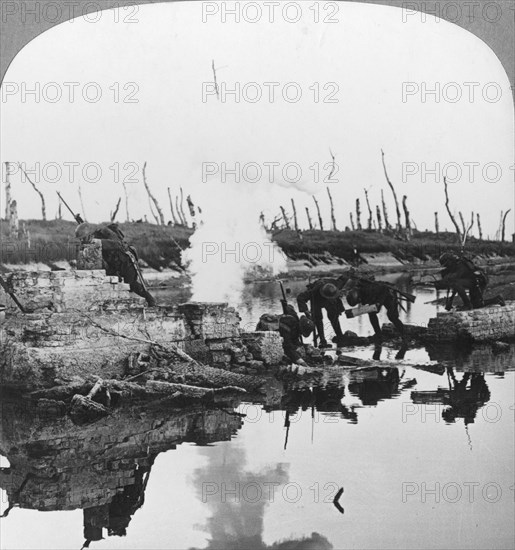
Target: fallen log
{"type": "Point", "coordinates": [83, 409]}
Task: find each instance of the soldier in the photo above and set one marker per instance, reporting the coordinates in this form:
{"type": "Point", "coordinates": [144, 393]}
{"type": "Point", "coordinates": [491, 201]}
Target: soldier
{"type": "Point", "coordinates": [368, 291]}
{"type": "Point", "coordinates": [119, 257]}
{"type": "Point", "coordinates": [459, 275]}
{"type": "Point", "coordinates": [291, 328]}
{"type": "Point", "coordinates": [324, 294]}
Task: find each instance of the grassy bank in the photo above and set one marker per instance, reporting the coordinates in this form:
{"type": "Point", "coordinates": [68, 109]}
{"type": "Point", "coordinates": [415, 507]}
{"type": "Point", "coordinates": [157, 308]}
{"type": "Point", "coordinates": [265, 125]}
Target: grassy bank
{"type": "Point", "coordinates": [421, 246]}
{"type": "Point", "coordinates": [158, 246]}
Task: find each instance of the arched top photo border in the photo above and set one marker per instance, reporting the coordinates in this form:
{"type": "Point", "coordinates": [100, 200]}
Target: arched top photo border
{"type": "Point", "coordinates": [493, 22]}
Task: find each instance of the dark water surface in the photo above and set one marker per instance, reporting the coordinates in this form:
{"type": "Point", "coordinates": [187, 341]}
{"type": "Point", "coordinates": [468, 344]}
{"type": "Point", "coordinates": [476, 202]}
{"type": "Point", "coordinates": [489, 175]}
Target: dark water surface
{"type": "Point", "coordinates": [425, 460]}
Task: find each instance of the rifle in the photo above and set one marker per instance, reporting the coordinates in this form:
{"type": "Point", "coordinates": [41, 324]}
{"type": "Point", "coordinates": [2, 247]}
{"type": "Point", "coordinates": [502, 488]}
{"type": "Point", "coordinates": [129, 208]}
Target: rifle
{"type": "Point", "coordinates": [409, 297]}
{"type": "Point", "coordinates": [77, 217]}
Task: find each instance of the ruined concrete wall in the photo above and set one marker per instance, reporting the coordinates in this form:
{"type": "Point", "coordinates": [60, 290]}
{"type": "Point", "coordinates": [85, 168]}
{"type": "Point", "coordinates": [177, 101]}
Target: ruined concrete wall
{"type": "Point", "coordinates": [61, 291]}
{"type": "Point", "coordinates": [266, 346]}
{"type": "Point", "coordinates": [489, 323]}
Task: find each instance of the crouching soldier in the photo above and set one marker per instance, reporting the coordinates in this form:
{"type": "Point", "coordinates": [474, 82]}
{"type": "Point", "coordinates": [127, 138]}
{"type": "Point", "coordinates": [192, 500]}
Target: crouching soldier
{"type": "Point", "coordinates": [291, 328]}
{"type": "Point", "coordinates": [370, 292]}
{"type": "Point", "coordinates": [460, 275]}
{"type": "Point", "coordinates": [324, 294]}
{"type": "Point", "coordinates": [118, 256]}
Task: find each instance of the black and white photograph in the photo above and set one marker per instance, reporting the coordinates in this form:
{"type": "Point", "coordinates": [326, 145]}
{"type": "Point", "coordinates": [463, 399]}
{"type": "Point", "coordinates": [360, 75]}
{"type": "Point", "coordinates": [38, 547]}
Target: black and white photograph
{"type": "Point", "coordinates": [257, 275]}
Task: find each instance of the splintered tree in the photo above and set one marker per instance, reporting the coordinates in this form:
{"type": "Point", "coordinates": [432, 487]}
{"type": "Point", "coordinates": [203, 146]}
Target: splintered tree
{"type": "Point", "coordinates": [126, 201]}
{"type": "Point", "coordinates": [466, 230]}
{"type": "Point", "coordinates": [353, 227]}
{"type": "Point", "coordinates": [479, 229]}
{"type": "Point", "coordinates": [369, 223]}
{"type": "Point", "coordinates": [43, 206]}
{"type": "Point", "coordinates": [379, 220]}
{"type": "Point", "coordinates": [285, 218]}
{"type": "Point", "coordinates": [310, 223]}
{"type": "Point", "coordinates": [319, 215]}
{"type": "Point", "coordinates": [397, 210]}
{"type": "Point", "coordinates": [295, 222]}
{"type": "Point", "coordinates": [151, 197]}
{"type": "Point", "coordinates": [453, 219]}
{"type": "Point", "coordinates": [437, 226]}
{"type": "Point", "coordinates": [115, 212]}
{"type": "Point", "coordinates": [358, 216]}
{"type": "Point", "coordinates": [333, 219]}
{"type": "Point", "coordinates": [406, 217]}
{"type": "Point", "coordinates": [8, 198]}
{"type": "Point", "coordinates": [174, 219]}
{"type": "Point", "coordinates": [503, 228]}
{"type": "Point", "coordinates": [385, 213]}
{"type": "Point", "coordinates": [183, 215]}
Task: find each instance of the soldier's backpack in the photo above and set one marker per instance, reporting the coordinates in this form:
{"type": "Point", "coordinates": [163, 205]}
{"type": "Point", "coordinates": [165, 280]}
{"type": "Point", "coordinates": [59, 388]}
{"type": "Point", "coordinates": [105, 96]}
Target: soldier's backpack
{"type": "Point", "coordinates": [268, 322]}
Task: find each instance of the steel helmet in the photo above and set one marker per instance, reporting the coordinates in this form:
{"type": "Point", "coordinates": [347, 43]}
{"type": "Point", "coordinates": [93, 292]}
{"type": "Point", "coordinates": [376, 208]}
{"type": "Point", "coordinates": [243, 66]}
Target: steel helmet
{"type": "Point", "coordinates": [329, 291]}
{"type": "Point", "coordinates": [353, 297]}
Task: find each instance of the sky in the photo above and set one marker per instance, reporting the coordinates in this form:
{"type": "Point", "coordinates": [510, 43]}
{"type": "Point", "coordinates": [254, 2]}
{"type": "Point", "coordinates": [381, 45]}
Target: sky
{"type": "Point", "coordinates": [152, 65]}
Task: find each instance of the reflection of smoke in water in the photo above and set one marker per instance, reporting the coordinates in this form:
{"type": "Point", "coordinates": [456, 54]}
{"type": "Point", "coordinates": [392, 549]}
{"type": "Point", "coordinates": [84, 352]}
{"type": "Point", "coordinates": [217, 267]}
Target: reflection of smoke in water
{"type": "Point", "coordinates": [228, 245]}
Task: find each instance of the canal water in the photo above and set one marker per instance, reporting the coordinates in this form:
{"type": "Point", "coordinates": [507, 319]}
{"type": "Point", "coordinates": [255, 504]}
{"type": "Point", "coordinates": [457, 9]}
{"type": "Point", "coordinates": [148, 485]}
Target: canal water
{"type": "Point", "coordinates": [413, 459]}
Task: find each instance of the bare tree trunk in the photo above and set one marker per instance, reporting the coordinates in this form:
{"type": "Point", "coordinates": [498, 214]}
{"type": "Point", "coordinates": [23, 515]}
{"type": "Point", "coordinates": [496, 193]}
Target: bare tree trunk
{"type": "Point", "coordinates": [370, 217]}
{"type": "Point", "coordinates": [437, 226]}
{"type": "Point", "coordinates": [174, 219]}
{"type": "Point", "coordinates": [406, 216]}
{"type": "Point", "coordinates": [183, 215]}
{"type": "Point", "coordinates": [453, 220]}
{"type": "Point", "coordinates": [385, 212]}
{"type": "Point", "coordinates": [399, 224]}
{"type": "Point", "coordinates": [59, 212]}
{"type": "Point", "coordinates": [358, 216]}
{"type": "Point", "coordinates": [14, 225]}
{"type": "Point", "coordinates": [353, 227]}
{"type": "Point", "coordinates": [480, 231]}
{"type": "Point", "coordinates": [379, 220]}
{"type": "Point", "coordinates": [183, 221]}
{"type": "Point", "coordinates": [319, 215]}
{"type": "Point", "coordinates": [113, 214]}
{"type": "Point", "coordinates": [79, 188]}
{"type": "Point", "coordinates": [333, 219]}
{"type": "Point", "coordinates": [126, 201]}
{"type": "Point", "coordinates": [8, 198]}
{"type": "Point", "coordinates": [310, 224]}
{"type": "Point", "coordinates": [43, 206]}
{"type": "Point", "coordinates": [152, 211]}
{"type": "Point", "coordinates": [295, 222]}
{"type": "Point", "coordinates": [285, 218]}
{"type": "Point", "coordinates": [463, 227]}
{"type": "Point", "coordinates": [152, 198]}
{"type": "Point", "coordinates": [504, 224]}
{"type": "Point", "coordinates": [466, 229]}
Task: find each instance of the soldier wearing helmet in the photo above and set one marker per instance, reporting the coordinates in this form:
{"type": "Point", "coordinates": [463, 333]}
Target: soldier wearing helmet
{"type": "Point", "coordinates": [460, 275]}
{"type": "Point", "coordinates": [325, 294]}
{"type": "Point", "coordinates": [118, 256]}
{"type": "Point", "coordinates": [291, 328]}
{"type": "Point", "coordinates": [368, 291]}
